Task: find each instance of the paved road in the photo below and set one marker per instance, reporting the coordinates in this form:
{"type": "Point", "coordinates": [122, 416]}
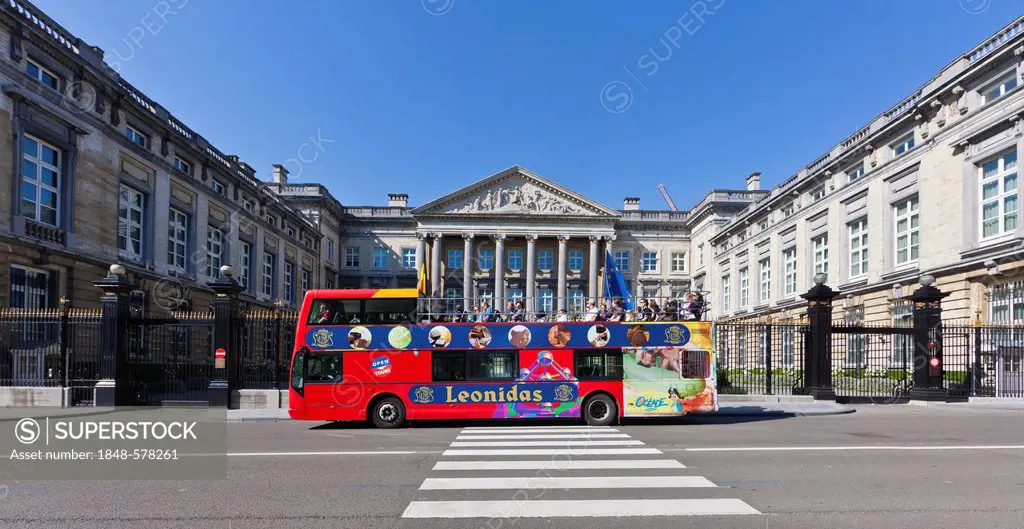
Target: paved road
{"type": "Point", "coordinates": [885, 466]}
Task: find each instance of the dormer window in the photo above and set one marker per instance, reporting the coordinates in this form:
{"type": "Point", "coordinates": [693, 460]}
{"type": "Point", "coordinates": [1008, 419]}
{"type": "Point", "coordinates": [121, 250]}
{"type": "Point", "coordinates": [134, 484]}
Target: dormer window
{"type": "Point", "coordinates": [43, 75]}
{"type": "Point", "coordinates": [135, 136]}
{"type": "Point", "coordinates": [998, 89]}
{"type": "Point", "coordinates": [182, 165]}
{"type": "Point", "coordinates": [854, 173]}
{"type": "Point", "coordinates": [903, 145]}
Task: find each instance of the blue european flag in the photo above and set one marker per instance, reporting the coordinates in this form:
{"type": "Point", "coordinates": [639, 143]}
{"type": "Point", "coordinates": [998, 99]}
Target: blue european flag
{"type": "Point", "coordinates": [615, 285]}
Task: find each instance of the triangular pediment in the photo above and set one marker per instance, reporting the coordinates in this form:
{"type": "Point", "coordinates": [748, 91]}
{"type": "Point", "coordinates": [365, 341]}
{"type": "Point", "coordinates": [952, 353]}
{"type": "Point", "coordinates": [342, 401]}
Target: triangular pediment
{"type": "Point", "coordinates": [515, 191]}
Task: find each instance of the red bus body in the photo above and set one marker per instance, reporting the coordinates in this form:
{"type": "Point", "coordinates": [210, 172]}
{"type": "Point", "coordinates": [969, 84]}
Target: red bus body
{"type": "Point", "coordinates": [671, 363]}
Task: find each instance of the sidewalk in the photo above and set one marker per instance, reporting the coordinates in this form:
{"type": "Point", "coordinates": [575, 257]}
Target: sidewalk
{"type": "Point", "coordinates": [747, 408]}
{"type": "Point", "coordinates": [978, 403]}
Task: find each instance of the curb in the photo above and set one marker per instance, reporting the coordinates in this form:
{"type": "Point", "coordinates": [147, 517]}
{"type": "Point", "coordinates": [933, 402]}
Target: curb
{"type": "Point", "coordinates": [785, 413]}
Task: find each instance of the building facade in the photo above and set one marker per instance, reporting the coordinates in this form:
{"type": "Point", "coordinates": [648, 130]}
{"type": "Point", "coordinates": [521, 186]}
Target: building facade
{"type": "Point", "coordinates": [512, 236]}
{"type": "Point", "coordinates": [98, 173]}
{"type": "Point", "coordinates": [927, 187]}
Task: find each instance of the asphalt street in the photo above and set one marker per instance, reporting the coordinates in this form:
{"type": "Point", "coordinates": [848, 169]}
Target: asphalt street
{"type": "Point", "coordinates": [883, 466]}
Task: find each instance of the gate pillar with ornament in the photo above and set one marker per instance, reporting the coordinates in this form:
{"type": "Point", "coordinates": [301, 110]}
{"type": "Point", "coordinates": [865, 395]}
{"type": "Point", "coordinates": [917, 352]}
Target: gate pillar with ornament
{"type": "Point", "coordinates": [818, 357]}
{"type": "Point", "coordinates": [928, 369]}
{"type": "Point", "coordinates": [227, 343]}
{"type": "Point", "coordinates": [114, 387]}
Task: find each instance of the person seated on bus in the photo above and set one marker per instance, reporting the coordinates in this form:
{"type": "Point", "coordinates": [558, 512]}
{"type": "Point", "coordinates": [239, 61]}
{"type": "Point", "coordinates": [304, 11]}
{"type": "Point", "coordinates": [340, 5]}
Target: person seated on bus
{"type": "Point", "coordinates": [487, 313]}
{"type": "Point", "coordinates": [670, 312]}
{"type": "Point", "coordinates": [652, 315]}
{"type": "Point", "coordinates": [518, 312]}
{"type": "Point", "coordinates": [694, 306]}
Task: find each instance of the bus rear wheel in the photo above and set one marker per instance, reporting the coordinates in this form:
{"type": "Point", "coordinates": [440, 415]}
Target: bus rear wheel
{"type": "Point", "coordinates": [600, 410]}
{"type": "Point", "coordinates": [388, 413]}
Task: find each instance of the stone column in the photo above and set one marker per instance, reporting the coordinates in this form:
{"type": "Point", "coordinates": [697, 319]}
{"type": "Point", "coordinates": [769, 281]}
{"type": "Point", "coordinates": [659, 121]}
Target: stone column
{"type": "Point", "coordinates": [436, 281]}
{"type": "Point", "coordinates": [467, 270]}
{"type": "Point", "coordinates": [531, 273]}
{"type": "Point", "coordinates": [592, 277]}
{"type": "Point", "coordinates": [421, 252]}
{"type": "Point", "coordinates": [563, 266]}
{"type": "Point", "coordinates": [608, 240]}
{"type": "Point", "coordinates": [499, 272]}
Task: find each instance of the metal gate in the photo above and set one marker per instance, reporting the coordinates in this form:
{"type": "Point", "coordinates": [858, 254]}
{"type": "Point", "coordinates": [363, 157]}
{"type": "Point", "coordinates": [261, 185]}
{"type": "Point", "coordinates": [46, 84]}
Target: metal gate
{"type": "Point", "coordinates": [872, 364]}
{"type": "Point", "coordinates": [170, 360]}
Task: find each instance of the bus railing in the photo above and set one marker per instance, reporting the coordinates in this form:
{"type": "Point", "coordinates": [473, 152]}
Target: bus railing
{"type": "Point", "coordinates": [570, 309]}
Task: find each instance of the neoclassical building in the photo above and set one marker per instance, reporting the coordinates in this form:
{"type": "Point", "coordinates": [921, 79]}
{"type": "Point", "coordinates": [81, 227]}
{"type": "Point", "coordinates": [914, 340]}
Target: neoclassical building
{"type": "Point", "coordinates": [518, 235]}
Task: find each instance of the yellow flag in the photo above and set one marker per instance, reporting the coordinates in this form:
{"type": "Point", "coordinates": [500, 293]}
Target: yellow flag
{"type": "Point", "coordinates": [421, 285]}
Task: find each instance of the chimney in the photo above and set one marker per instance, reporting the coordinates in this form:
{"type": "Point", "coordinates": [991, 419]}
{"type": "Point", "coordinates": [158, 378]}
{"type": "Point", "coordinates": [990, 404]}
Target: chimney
{"type": "Point", "coordinates": [280, 174]}
{"type": "Point", "coordinates": [631, 204]}
{"type": "Point", "coordinates": [754, 182]}
{"type": "Point", "coordinates": [398, 200]}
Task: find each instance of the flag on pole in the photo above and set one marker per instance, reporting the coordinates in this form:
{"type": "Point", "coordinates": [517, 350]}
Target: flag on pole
{"type": "Point", "coordinates": [421, 285]}
{"type": "Point", "coordinates": [615, 285]}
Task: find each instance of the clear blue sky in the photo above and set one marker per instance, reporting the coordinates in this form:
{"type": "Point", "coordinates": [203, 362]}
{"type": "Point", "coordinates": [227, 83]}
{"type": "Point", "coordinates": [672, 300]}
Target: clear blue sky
{"type": "Point", "coordinates": [424, 103]}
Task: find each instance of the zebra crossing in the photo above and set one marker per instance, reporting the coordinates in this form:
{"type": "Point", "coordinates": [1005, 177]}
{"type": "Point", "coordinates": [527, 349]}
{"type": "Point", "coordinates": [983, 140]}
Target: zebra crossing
{"type": "Point", "coordinates": [494, 472]}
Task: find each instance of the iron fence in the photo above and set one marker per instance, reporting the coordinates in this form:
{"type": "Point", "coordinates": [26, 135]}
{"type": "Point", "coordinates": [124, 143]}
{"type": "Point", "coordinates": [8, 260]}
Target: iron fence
{"type": "Point", "coordinates": [983, 360]}
{"type": "Point", "coordinates": [760, 358]}
{"type": "Point", "coordinates": [872, 361]}
{"type": "Point", "coordinates": [50, 348]}
{"type": "Point", "coordinates": [267, 341]}
{"type": "Point", "coordinates": [170, 360]}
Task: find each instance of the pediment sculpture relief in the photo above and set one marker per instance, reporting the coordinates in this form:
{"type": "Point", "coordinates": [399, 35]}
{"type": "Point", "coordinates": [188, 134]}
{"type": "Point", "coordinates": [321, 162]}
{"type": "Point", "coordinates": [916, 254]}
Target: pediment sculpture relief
{"type": "Point", "coordinates": [518, 197]}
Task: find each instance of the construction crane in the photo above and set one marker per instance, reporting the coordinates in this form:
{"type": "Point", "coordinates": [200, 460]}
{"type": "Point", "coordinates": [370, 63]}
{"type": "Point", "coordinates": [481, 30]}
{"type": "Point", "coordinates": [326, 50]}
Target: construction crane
{"type": "Point", "coordinates": [668, 199]}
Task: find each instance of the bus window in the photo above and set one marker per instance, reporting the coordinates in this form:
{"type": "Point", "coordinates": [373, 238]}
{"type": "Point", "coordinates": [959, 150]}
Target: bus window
{"type": "Point", "coordinates": [298, 367]}
{"type": "Point", "coordinates": [600, 365]}
{"type": "Point", "coordinates": [390, 310]}
{"type": "Point", "coordinates": [323, 368]}
{"type": "Point", "coordinates": [492, 365]}
{"type": "Point", "coordinates": [334, 312]}
{"type": "Point", "coordinates": [449, 366]}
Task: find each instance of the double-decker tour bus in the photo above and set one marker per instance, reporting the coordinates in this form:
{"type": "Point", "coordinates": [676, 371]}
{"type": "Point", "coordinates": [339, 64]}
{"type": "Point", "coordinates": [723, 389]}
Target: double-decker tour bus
{"type": "Point", "coordinates": [364, 354]}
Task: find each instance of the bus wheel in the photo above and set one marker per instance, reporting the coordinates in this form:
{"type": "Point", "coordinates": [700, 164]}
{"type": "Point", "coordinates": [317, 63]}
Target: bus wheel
{"type": "Point", "coordinates": [600, 410]}
{"type": "Point", "coordinates": [389, 413]}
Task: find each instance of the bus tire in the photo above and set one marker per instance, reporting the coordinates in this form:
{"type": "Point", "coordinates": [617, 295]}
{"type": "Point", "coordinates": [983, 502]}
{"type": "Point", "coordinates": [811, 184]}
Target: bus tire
{"type": "Point", "coordinates": [388, 413]}
{"type": "Point", "coordinates": [600, 410]}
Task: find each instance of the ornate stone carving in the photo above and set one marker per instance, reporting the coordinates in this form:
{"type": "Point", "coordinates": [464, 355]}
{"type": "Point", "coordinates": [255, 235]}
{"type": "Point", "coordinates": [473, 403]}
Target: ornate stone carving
{"type": "Point", "coordinates": [960, 103]}
{"type": "Point", "coordinates": [467, 235]}
{"type": "Point", "coordinates": [518, 196]}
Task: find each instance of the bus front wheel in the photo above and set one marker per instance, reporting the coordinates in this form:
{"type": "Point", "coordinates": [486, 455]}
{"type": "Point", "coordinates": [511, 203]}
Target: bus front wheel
{"type": "Point", "coordinates": [389, 413]}
{"type": "Point", "coordinates": [600, 410]}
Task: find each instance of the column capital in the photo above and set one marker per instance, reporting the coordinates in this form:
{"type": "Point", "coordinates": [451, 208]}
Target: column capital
{"type": "Point", "coordinates": [499, 236]}
{"type": "Point", "coordinates": [594, 239]}
{"type": "Point", "coordinates": [436, 235]}
{"type": "Point", "coordinates": [422, 236]}
{"type": "Point", "coordinates": [563, 238]}
{"type": "Point", "coordinates": [609, 238]}
{"type": "Point", "coordinates": [531, 237]}
{"type": "Point", "coordinates": [468, 235]}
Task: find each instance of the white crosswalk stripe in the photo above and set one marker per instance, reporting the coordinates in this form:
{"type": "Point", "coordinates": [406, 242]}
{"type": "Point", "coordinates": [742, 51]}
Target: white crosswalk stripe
{"type": "Point", "coordinates": [571, 448]}
{"type": "Point", "coordinates": [543, 482]}
{"type": "Point", "coordinates": [559, 465]}
{"type": "Point", "coordinates": [586, 435]}
{"type": "Point", "coordinates": [574, 443]}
